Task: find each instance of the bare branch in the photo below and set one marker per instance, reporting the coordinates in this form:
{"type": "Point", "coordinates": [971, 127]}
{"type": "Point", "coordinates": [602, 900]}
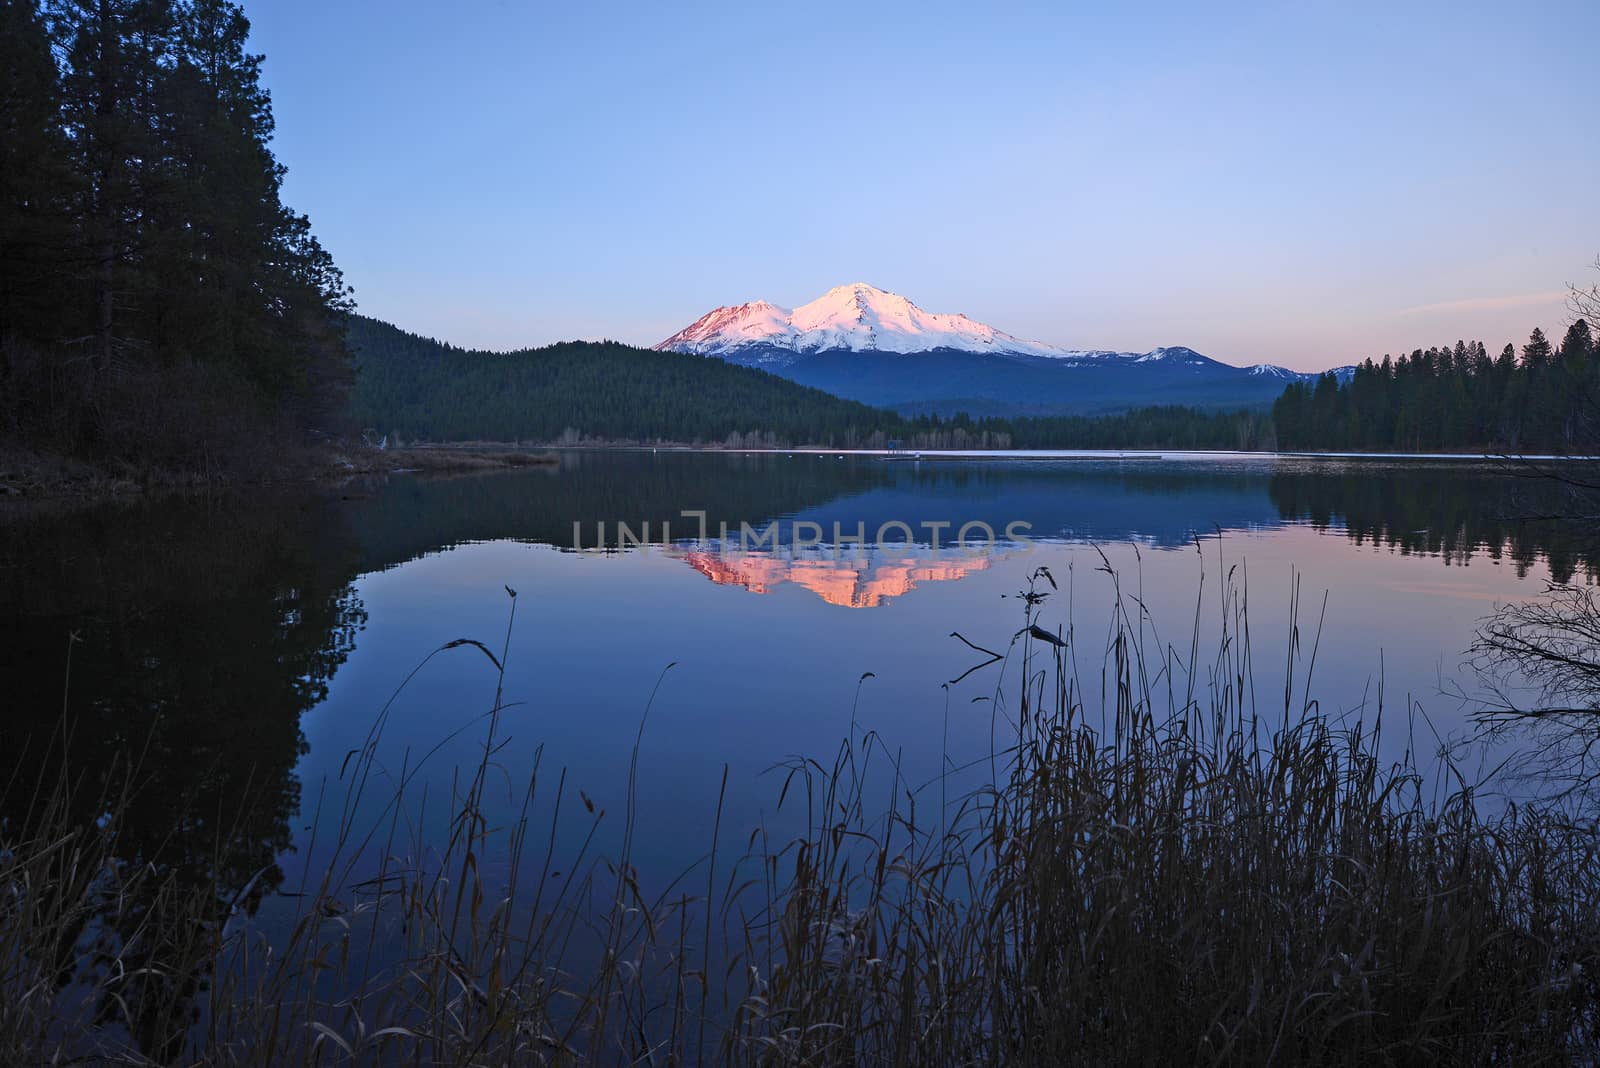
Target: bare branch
{"type": "Point", "coordinates": [1549, 646]}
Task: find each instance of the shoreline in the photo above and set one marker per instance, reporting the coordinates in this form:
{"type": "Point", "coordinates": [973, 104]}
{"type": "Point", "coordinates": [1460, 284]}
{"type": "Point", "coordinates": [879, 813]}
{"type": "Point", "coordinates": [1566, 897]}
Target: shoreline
{"type": "Point", "coordinates": [26, 475]}
{"type": "Point", "coordinates": [1061, 454]}
{"type": "Point", "coordinates": [34, 476]}
{"type": "Point", "coordinates": [1005, 454]}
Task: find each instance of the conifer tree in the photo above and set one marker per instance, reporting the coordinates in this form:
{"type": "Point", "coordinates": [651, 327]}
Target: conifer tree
{"type": "Point", "coordinates": [1536, 353]}
{"type": "Point", "coordinates": [1578, 342]}
{"type": "Point", "coordinates": [114, 51]}
{"type": "Point", "coordinates": [151, 279]}
{"type": "Point", "coordinates": [34, 180]}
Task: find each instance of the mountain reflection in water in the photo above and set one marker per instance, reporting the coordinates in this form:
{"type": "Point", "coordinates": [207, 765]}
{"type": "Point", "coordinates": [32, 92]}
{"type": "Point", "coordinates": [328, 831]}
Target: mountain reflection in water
{"type": "Point", "coordinates": [865, 578]}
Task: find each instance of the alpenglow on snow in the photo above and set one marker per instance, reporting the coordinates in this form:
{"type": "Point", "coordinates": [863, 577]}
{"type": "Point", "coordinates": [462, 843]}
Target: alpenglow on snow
{"type": "Point", "coordinates": [857, 317]}
{"type": "Point", "coordinates": [863, 342]}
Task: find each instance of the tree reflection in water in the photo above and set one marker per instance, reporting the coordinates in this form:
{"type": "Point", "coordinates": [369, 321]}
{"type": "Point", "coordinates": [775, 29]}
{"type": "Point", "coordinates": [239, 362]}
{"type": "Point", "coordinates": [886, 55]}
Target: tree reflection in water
{"type": "Point", "coordinates": [161, 656]}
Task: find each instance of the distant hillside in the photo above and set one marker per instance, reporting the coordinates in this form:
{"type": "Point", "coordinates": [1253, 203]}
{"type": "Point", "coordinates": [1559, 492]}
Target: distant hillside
{"type": "Point", "coordinates": [947, 381]}
{"type": "Point", "coordinates": [422, 388]}
{"type": "Point", "coordinates": [579, 390]}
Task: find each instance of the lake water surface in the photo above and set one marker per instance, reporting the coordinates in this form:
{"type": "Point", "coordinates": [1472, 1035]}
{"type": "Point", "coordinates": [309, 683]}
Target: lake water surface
{"type": "Point", "coordinates": [242, 648]}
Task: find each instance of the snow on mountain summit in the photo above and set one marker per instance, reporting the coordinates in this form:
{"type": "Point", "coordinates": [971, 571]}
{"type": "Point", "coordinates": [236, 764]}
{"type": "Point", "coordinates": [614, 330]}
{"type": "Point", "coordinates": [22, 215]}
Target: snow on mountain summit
{"type": "Point", "coordinates": [1172, 354]}
{"type": "Point", "coordinates": [856, 317]}
{"type": "Point", "coordinates": [1274, 371]}
{"type": "Point", "coordinates": [865, 319]}
{"type": "Point", "coordinates": [866, 344]}
{"type": "Point", "coordinates": [1271, 370]}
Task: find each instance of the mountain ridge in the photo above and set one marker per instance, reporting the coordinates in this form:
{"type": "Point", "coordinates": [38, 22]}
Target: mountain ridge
{"type": "Point", "coordinates": [414, 387]}
{"type": "Point", "coordinates": [868, 344]}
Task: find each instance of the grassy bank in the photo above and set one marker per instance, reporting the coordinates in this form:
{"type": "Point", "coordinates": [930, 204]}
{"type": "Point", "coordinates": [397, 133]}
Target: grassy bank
{"type": "Point", "coordinates": [1158, 869]}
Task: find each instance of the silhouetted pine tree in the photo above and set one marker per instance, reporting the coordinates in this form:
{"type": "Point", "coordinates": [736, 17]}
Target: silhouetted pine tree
{"type": "Point", "coordinates": [158, 302]}
{"type": "Point", "coordinates": [35, 181]}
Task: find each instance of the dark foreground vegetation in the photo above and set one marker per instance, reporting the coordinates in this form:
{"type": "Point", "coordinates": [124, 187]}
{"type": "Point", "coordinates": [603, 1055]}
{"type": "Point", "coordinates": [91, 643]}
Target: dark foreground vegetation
{"type": "Point", "coordinates": [1168, 873]}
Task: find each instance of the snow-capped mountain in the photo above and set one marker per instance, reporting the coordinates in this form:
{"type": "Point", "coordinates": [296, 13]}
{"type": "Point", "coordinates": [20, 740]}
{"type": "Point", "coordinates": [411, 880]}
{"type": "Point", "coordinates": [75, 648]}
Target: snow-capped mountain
{"type": "Point", "coordinates": [1272, 370]}
{"type": "Point", "coordinates": [1169, 354]}
{"type": "Point", "coordinates": [868, 344]}
{"type": "Point", "coordinates": [855, 318]}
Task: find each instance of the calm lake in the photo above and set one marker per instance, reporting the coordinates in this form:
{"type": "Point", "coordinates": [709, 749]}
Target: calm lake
{"type": "Point", "coordinates": [243, 647]}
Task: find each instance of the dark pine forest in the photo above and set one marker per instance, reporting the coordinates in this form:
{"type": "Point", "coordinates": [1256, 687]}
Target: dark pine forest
{"type": "Point", "coordinates": [1545, 400]}
{"type": "Point", "coordinates": [160, 307]}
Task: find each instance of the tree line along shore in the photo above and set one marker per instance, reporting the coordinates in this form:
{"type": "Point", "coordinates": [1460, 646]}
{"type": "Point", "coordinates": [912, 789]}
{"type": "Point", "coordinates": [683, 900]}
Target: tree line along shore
{"type": "Point", "coordinates": [166, 319]}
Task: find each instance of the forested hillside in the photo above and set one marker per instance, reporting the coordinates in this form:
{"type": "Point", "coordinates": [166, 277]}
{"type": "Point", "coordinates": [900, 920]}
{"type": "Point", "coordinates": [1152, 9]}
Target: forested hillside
{"type": "Point", "coordinates": [1456, 398]}
{"type": "Point", "coordinates": [416, 387]}
{"type": "Point", "coordinates": [421, 388]}
{"type": "Point", "coordinates": [1545, 399]}
{"type": "Point", "coordinates": [160, 307]}
{"type": "Point", "coordinates": [1160, 427]}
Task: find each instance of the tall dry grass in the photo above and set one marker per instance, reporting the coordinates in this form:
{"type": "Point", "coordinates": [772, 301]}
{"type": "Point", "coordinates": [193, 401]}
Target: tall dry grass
{"type": "Point", "coordinates": [1155, 871]}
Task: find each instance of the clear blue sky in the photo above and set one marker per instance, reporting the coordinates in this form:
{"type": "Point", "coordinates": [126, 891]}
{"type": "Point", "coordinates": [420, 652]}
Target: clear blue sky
{"type": "Point", "coordinates": [1306, 184]}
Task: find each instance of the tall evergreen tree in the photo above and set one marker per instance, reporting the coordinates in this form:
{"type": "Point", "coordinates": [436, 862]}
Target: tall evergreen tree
{"type": "Point", "coordinates": [150, 276]}
{"type": "Point", "coordinates": [114, 51]}
{"type": "Point", "coordinates": [34, 179]}
{"type": "Point", "coordinates": [1536, 353]}
{"type": "Point", "coordinates": [1578, 342]}
{"type": "Point", "coordinates": [249, 269]}
{"type": "Point", "coordinates": [1578, 384]}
